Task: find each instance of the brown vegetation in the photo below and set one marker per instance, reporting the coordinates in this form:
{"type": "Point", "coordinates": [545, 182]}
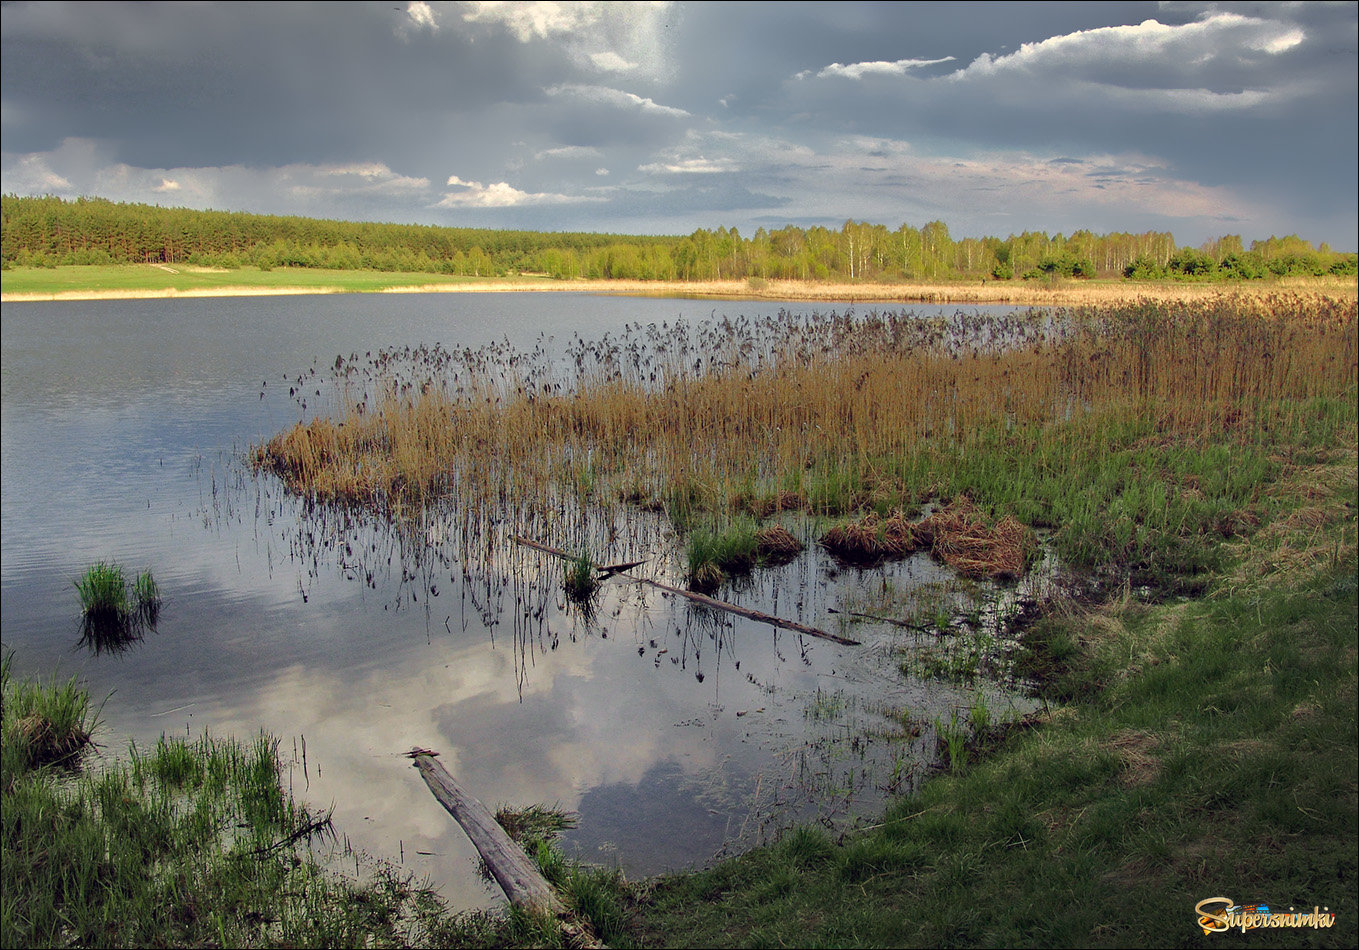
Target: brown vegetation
{"type": "Point", "coordinates": [956, 534]}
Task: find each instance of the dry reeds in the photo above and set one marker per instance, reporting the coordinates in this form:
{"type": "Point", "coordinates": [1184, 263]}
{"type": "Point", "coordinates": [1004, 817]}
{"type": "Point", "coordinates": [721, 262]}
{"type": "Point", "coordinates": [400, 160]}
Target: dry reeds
{"type": "Point", "coordinates": [775, 544]}
{"type": "Point", "coordinates": [960, 537]}
{"type": "Point", "coordinates": [873, 539]}
{"type": "Point", "coordinates": [956, 534]}
{"type": "Point", "coordinates": [823, 412]}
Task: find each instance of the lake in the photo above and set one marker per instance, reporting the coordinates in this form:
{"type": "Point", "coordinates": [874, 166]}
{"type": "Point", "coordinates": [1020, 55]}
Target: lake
{"type": "Point", "coordinates": [673, 732]}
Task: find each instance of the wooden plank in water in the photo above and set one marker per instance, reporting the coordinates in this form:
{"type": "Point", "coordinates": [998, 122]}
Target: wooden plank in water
{"type": "Point", "coordinates": [516, 874]}
{"type": "Point", "coordinates": [701, 598]}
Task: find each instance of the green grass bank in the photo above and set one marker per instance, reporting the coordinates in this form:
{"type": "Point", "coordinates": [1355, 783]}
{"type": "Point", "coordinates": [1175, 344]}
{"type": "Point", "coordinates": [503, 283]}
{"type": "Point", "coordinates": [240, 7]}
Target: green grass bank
{"type": "Point", "coordinates": [134, 279]}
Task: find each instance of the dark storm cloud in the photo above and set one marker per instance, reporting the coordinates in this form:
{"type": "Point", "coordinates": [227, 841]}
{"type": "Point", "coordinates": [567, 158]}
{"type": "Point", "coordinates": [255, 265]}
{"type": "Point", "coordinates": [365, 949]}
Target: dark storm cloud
{"type": "Point", "coordinates": [1053, 116]}
{"type": "Point", "coordinates": [242, 83]}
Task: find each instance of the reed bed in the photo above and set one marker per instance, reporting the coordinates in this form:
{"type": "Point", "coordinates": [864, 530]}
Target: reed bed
{"type": "Point", "coordinates": [1140, 405]}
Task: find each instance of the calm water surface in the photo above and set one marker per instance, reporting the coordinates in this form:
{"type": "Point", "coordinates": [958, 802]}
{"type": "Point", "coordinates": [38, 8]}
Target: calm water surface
{"type": "Point", "coordinates": [673, 733]}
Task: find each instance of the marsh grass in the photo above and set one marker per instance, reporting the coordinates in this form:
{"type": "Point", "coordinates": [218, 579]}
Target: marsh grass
{"type": "Point", "coordinates": [103, 593]}
{"type": "Point", "coordinates": [146, 593]}
{"type": "Point", "coordinates": [43, 724]}
{"type": "Point", "coordinates": [715, 551]}
{"type": "Point", "coordinates": [579, 579]}
{"type": "Point", "coordinates": [1138, 433]}
{"type": "Point", "coordinates": [1206, 745]}
{"type": "Point", "coordinates": [534, 823]}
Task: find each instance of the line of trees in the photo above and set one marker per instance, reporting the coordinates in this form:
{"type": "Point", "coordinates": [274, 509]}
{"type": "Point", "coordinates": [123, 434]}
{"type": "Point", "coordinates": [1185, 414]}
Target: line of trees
{"type": "Point", "coordinates": [50, 231]}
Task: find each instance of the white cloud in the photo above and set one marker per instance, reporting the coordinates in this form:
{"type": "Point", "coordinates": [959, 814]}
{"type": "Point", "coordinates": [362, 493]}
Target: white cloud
{"type": "Point", "coordinates": [375, 174]}
{"type": "Point", "coordinates": [616, 98]}
{"type": "Point", "coordinates": [1282, 43]}
{"type": "Point", "coordinates": [607, 37]}
{"type": "Point", "coordinates": [570, 151]}
{"type": "Point", "coordinates": [86, 167]}
{"type": "Point", "coordinates": [611, 62]}
{"type": "Point", "coordinates": [423, 16]}
{"type": "Point", "coordinates": [898, 67]}
{"type": "Point", "coordinates": [420, 17]}
{"type": "Point", "coordinates": [689, 166]}
{"type": "Point", "coordinates": [32, 175]}
{"type": "Point", "coordinates": [1216, 36]}
{"type": "Point", "coordinates": [474, 194]}
{"type": "Point", "coordinates": [529, 21]}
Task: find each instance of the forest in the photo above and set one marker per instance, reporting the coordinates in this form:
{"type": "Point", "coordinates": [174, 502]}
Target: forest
{"type": "Point", "coordinates": [51, 231]}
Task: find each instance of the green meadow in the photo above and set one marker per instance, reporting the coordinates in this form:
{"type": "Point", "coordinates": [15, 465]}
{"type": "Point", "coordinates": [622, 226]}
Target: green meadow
{"type": "Point", "coordinates": [134, 278]}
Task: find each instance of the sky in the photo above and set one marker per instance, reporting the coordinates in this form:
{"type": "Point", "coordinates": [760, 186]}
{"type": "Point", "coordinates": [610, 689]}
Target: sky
{"type": "Point", "coordinates": [1201, 119]}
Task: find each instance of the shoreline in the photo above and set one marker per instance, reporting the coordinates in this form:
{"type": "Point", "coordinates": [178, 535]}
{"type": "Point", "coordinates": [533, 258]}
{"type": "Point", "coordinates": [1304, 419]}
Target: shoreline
{"type": "Point", "coordinates": [1066, 293]}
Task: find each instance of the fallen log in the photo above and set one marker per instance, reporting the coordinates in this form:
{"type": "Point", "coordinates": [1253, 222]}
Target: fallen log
{"type": "Point", "coordinates": [698, 598]}
{"type": "Point", "coordinates": [517, 876]}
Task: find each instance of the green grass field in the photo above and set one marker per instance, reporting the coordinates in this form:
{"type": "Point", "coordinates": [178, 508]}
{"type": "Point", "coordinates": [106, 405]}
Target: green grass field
{"type": "Point", "coordinates": [131, 278]}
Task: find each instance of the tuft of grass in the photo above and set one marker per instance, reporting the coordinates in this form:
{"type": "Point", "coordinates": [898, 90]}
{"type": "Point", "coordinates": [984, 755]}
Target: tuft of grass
{"type": "Point", "coordinates": [579, 579]}
{"type": "Point", "coordinates": [114, 613]}
{"type": "Point", "coordinates": [146, 592]}
{"type": "Point", "coordinates": [534, 823]}
{"type": "Point", "coordinates": [103, 593]}
{"type": "Point", "coordinates": [714, 553]}
{"type": "Point", "coordinates": [42, 724]}
{"type": "Point", "coordinates": [951, 738]}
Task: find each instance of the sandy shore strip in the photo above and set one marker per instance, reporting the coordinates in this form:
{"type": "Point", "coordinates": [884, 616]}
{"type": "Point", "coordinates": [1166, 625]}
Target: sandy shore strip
{"type": "Point", "coordinates": [993, 292]}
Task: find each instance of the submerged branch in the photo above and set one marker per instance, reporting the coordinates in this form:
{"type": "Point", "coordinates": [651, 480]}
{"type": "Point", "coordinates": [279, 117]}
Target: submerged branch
{"type": "Point", "coordinates": [704, 599]}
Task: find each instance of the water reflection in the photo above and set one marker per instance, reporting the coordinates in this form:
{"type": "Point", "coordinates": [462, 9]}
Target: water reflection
{"type": "Point", "coordinates": [673, 730]}
{"type": "Point", "coordinates": [530, 699]}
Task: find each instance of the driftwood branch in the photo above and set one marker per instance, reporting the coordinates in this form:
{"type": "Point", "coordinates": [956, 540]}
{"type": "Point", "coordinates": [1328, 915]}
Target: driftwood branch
{"type": "Point", "coordinates": [517, 876]}
{"type": "Point", "coordinates": [918, 627]}
{"type": "Point", "coordinates": [700, 598]}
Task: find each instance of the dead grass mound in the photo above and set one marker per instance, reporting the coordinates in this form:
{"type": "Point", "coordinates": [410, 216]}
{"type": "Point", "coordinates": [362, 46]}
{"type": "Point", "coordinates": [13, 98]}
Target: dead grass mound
{"type": "Point", "coordinates": [956, 534]}
{"type": "Point", "coordinates": [873, 539]}
{"type": "Point", "coordinates": [762, 508]}
{"type": "Point", "coordinates": [960, 537]}
{"type": "Point", "coordinates": [45, 744]}
{"type": "Point", "coordinates": [775, 545]}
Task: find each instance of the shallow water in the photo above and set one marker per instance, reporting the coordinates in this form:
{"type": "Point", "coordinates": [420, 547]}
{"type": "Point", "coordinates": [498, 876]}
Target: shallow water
{"type": "Point", "coordinates": [673, 732]}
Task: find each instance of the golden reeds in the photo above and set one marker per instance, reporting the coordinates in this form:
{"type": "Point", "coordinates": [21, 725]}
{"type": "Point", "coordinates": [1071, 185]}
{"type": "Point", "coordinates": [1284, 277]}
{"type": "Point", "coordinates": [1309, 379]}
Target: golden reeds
{"type": "Point", "coordinates": [804, 412]}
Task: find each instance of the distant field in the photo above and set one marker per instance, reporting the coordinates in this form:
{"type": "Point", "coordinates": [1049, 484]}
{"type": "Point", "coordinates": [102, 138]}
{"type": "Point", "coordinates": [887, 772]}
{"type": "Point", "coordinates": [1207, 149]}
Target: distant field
{"type": "Point", "coordinates": [137, 279]}
{"type": "Point", "coordinates": [150, 280]}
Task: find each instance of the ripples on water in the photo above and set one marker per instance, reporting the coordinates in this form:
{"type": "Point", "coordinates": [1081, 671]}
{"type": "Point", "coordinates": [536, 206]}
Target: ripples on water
{"type": "Point", "coordinates": [672, 731]}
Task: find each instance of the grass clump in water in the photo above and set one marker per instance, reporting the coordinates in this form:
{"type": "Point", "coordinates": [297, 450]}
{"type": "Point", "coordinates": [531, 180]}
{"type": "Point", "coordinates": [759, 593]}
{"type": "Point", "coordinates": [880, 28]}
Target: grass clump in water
{"type": "Point", "coordinates": [580, 580]}
{"type": "Point", "coordinates": [534, 823]}
{"type": "Point", "coordinates": [713, 553]}
{"type": "Point", "coordinates": [103, 594]}
{"type": "Point", "coordinates": [114, 613]}
{"type": "Point", "coordinates": [147, 594]}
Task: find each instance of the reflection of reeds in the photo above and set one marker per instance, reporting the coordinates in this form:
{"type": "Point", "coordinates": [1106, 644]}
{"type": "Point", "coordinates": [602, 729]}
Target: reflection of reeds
{"type": "Point", "coordinates": [836, 413]}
